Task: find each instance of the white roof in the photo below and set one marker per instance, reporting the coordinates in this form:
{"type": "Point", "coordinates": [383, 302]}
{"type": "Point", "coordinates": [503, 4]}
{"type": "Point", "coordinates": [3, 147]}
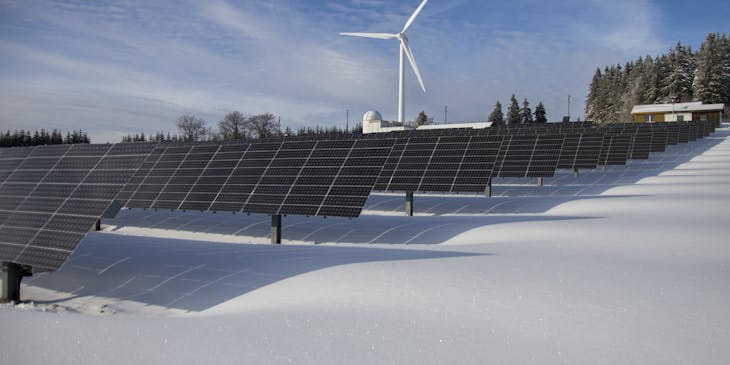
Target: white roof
{"type": "Point", "coordinates": [695, 106]}
{"type": "Point", "coordinates": [481, 125]}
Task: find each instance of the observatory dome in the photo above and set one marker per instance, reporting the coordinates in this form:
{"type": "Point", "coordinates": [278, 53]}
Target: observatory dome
{"type": "Point", "coordinates": [372, 116]}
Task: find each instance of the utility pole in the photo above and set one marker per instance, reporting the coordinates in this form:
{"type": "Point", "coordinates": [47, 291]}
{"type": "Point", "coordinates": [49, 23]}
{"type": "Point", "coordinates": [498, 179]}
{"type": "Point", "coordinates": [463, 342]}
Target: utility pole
{"type": "Point", "coordinates": [347, 125]}
{"type": "Point", "coordinates": [569, 107]}
{"type": "Point", "coordinates": [446, 112]}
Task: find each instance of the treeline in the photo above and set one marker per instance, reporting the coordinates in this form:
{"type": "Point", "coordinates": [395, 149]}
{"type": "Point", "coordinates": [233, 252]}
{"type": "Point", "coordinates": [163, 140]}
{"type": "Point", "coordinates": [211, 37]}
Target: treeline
{"type": "Point", "coordinates": [236, 125]}
{"type": "Point", "coordinates": [20, 138]}
{"type": "Point", "coordinates": [681, 75]}
{"type": "Point", "coordinates": [517, 114]}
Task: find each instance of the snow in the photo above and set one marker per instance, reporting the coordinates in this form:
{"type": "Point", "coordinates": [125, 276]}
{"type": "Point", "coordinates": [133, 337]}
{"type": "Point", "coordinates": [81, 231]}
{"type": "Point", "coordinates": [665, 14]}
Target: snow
{"type": "Point", "coordinates": [626, 266]}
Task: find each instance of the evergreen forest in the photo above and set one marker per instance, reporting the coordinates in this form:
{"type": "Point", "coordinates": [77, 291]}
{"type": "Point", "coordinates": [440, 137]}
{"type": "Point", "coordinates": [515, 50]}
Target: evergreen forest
{"type": "Point", "coordinates": [681, 75]}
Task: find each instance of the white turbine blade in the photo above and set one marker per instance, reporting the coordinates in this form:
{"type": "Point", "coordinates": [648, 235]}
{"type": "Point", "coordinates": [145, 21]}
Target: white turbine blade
{"type": "Point", "coordinates": [413, 64]}
{"type": "Point", "coordinates": [372, 35]}
{"type": "Point", "coordinates": [413, 17]}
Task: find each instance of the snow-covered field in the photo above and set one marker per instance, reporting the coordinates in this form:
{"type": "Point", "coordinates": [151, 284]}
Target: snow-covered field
{"type": "Point", "coordinates": [627, 266]}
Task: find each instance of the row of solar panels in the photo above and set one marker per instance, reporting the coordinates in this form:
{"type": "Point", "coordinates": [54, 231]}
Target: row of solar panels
{"type": "Point", "coordinates": [50, 196]}
{"type": "Point", "coordinates": [453, 161]}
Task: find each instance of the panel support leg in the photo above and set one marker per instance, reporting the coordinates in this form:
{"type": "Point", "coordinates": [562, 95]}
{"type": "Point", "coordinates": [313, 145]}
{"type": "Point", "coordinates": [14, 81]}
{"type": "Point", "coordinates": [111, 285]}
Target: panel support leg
{"type": "Point", "coordinates": [409, 203]}
{"type": "Point", "coordinates": [488, 189]}
{"type": "Point", "coordinates": [97, 227]}
{"type": "Point", "coordinates": [539, 181]}
{"type": "Point", "coordinates": [575, 172]}
{"type": "Point", "coordinates": [276, 229]}
{"type": "Point", "coordinates": [12, 274]}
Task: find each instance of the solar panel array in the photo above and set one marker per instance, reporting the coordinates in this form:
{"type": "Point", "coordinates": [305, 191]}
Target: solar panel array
{"type": "Point", "coordinates": [529, 156]}
{"type": "Point", "coordinates": [440, 164]}
{"type": "Point", "coordinates": [50, 196]}
{"type": "Point", "coordinates": [580, 151]}
{"type": "Point", "coordinates": [316, 177]}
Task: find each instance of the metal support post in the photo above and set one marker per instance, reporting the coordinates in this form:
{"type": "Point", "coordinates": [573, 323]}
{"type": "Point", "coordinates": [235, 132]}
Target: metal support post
{"type": "Point", "coordinates": [575, 172]}
{"type": "Point", "coordinates": [12, 274]}
{"type": "Point", "coordinates": [97, 227]}
{"type": "Point", "coordinates": [409, 203]}
{"type": "Point", "coordinates": [276, 229]}
{"type": "Point", "coordinates": [488, 189]}
{"type": "Point", "coordinates": [539, 181]}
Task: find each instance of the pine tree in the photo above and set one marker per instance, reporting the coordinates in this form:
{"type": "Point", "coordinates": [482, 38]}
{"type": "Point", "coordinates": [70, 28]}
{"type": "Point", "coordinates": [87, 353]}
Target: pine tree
{"type": "Point", "coordinates": [496, 117]}
{"type": "Point", "coordinates": [651, 83]}
{"type": "Point", "coordinates": [421, 119]}
{"type": "Point", "coordinates": [677, 85]}
{"type": "Point", "coordinates": [526, 112]}
{"type": "Point", "coordinates": [707, 85]}
{"type": "Point", "coordinates": [593, 102]}
{"type": "Point", "coordinates": [513, 112]}
{"type": "Point", "coordinates": [540, 113]}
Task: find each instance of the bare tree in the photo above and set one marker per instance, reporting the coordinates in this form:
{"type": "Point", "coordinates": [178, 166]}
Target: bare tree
{"type": "Point", "coordinates": [262, 125]}
{"type": "Point", "coordinates": [191, 127]}
{"type": "Point", "coordinates": [233, 126]}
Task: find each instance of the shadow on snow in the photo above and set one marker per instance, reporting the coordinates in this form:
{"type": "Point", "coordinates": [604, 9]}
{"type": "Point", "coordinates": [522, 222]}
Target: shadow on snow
{"type": "Point", "coordinates": [196, 275]}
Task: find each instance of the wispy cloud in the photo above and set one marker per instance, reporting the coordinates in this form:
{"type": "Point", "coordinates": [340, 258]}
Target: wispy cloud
{"type": "Point", "coordinates": [115, 68]}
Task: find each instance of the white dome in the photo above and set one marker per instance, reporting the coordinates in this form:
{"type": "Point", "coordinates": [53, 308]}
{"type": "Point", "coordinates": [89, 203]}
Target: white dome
{"type": "Point", "coordinates": [372, 116]}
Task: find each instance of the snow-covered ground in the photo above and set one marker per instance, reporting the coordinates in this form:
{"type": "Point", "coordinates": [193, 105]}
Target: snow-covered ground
{"type": "Point", "coordinates": [627, 266]}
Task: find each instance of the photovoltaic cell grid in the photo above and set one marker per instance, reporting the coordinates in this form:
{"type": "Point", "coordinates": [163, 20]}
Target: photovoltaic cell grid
{"type": "Point", "coordinates": [56, 194]}
{"type": "Point", "coordinates": [529, 156]}
{"type": "Point", "coordinates": [308, 177]}
{"type": "Point", "coordinates": [50, 196]}
{"type": "Point", "coordinates": [173, 172]}
{"type": "Point", "coordinates": [640, 144]}
{"type": "Point", "coordinates": [581, 151]}
{"type": "Point", "coordinates": [615, 150]}
{"type": "Point", "coordinates": [440, 164]}
{"type": "Point", "coordinates": [659, 138]}
{"type": "Point", "coordinates": [321, 178]}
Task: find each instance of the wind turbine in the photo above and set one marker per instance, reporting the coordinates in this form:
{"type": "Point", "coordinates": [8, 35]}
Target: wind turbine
{"type": "Point", "coordinates": [404, 50]}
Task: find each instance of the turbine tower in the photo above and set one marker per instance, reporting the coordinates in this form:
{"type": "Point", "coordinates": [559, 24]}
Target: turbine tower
{"type": "Point", "coordinates": [404, 50]}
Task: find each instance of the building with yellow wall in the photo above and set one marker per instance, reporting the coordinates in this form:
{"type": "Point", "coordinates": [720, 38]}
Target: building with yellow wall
{"type": "Point", "coordinates": [681, 112]}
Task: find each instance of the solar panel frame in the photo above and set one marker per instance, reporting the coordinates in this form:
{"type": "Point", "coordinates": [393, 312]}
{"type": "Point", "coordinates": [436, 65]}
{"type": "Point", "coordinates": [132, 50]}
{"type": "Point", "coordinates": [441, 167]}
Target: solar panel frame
{"type": "Point", "coordinates": [589, 151]}
{"type": "Point", "coordinates": [56, 210]}
{"type": "Point", "coordinates": [615, 150]}
{"type": "Point", "coordinates": [641, 143]}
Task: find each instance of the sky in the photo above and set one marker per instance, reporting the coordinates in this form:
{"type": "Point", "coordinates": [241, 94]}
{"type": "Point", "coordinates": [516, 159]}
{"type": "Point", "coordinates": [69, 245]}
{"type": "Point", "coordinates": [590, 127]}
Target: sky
{"type": "Point", "coordinates": [113, 68]}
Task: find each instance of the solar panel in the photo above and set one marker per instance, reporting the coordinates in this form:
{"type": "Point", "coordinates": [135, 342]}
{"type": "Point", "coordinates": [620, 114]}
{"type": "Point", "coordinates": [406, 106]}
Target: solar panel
{"type": "Point", "coordinates": [412, 164]}
{"type": "Point", "coordinates": [700, 129]}
{"type": "Point", "coordinates": [640, 144]}
{"type": "Point", "coordinates": [475, 168]}
{"type": "Point", "coordinates": [659, 137]}
{"type": "Point", "coordinates": [458, 163]}
{"type": "Point", "coordinates": [50, 196]}
{"type": "Point", "coordinates": [684, 130]}
{"type": "Point", "coordinates": [391, 164]}
{"type": "Point", "coordinates": [322, 178]}
{"type": "Point", "coordinates": [515, 156]}
{"type": "Point", "coordinates": [544, 159]}
{"type": "Point", "coordinates": [693, 131]}
{"type": "Point", "coordinates": [672, 134]}
{"type": "Point", "coordinates": [569, 151]}
{"type": "Point", "coordinates": [615, 150]}
{"type": "Point", "coordinates": [56, 195]}
{"type": "Point", "coordinates": [207, 192]}
{"type": "Point", "coordinates": [589, 149]}
{"type": "Point", "coordinates": [529, 156]}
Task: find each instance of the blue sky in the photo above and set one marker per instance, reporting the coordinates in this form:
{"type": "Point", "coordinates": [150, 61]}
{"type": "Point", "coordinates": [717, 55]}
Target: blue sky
{"type": "Point", "coordinates": [113, 68]}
